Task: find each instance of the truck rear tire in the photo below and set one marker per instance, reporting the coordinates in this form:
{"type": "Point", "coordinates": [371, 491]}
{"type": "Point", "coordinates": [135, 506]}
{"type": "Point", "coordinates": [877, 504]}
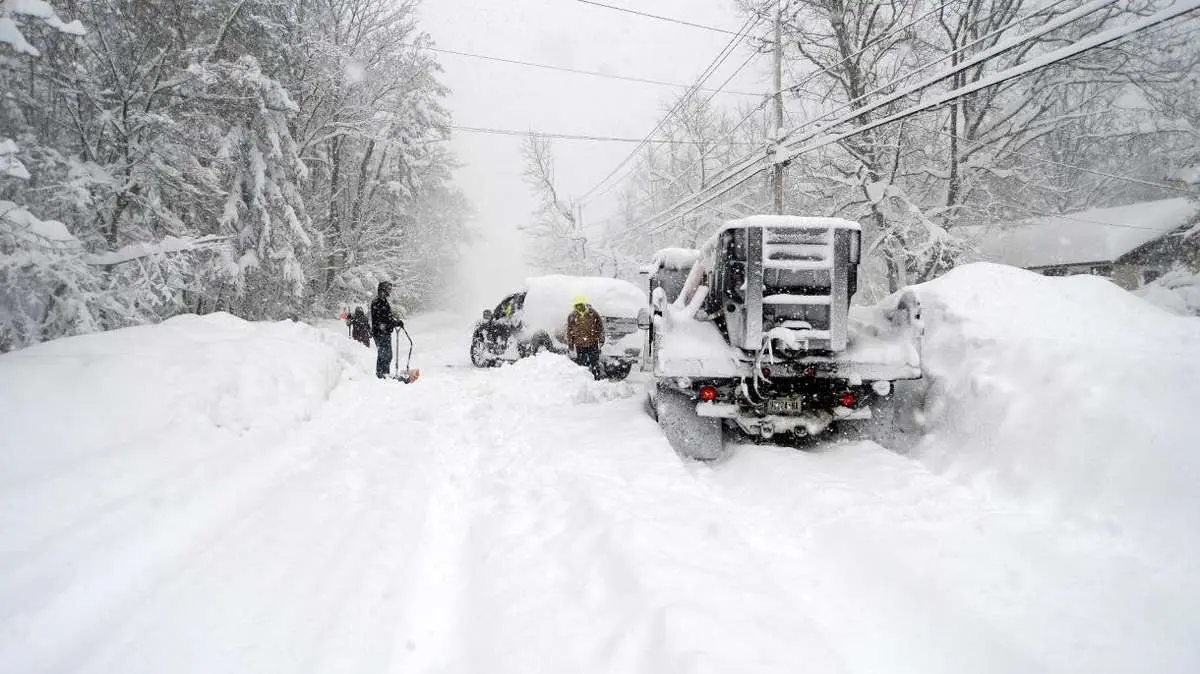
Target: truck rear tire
{"type": "Point", "coordinates": [880, 428]}
{"type": "Point", "coordinates": [691, 436]}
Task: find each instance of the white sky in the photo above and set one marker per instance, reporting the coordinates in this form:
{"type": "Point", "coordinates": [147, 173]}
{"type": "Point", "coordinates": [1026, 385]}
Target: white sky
{"type": "Point", "coordinates": [571, 34]}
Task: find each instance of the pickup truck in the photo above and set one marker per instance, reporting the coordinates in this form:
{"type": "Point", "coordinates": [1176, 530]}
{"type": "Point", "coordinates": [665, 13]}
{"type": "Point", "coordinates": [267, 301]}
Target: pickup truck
{"type": "Point", "coordinates": [754, 332]}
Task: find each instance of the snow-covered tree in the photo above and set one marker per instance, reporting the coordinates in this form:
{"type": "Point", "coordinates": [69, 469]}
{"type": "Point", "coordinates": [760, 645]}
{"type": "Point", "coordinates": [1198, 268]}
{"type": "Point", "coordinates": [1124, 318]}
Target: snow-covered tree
{"type": "Point", "coordinates": [1048, 142]}
{"type": "Point", "coordinates": [46, 286]}
{"type": "Point", "coordinates": [560, 243]}
{"type": "Point", "coordinates": [265, 157]}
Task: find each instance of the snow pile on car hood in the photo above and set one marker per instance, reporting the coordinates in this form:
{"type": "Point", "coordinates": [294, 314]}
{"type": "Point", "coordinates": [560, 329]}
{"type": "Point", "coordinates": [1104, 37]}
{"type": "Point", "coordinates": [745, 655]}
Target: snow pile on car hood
{"type": "Point", "coordinates": [549, 299]}
{"type": "Point", "coordinates": [1070, 391]}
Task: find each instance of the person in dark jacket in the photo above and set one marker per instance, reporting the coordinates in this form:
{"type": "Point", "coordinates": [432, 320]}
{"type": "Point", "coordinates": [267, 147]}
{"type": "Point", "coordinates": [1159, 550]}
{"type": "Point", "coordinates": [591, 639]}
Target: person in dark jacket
{"type": "Point", "coordinates": [383, 322]}
{"type": "Point", "coordinates": [360, 327]}
{"type": "Point", "coordinates": [585, 336]}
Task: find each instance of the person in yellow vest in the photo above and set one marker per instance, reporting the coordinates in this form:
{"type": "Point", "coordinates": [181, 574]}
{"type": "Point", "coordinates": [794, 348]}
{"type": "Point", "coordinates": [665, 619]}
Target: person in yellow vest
{"type": "Point", "coordinates": [585, 336]}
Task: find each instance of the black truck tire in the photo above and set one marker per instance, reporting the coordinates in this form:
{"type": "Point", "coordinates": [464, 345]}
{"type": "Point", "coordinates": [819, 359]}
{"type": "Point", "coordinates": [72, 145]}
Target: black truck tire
{"type": "Point", "coordinates": [691, 436]}
{"type": "Point", "coordinates": [881, 428]}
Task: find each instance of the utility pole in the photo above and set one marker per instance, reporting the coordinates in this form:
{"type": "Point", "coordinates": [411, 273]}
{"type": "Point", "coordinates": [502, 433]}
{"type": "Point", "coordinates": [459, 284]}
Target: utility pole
{"type": "Point", "coordinates": [775, 149]}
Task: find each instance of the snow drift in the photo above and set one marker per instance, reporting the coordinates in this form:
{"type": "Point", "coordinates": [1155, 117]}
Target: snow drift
{"type": "Point", "coordinates": [125, 454]}
{"type": "Point", "coordinates": [198, 372]}
{"type": "Point", "coordinates": [516, 519]}
{"type": "Point", "coordinates": [1068, 391]}
{"type": "Point", "coordinates": [1177, 291]}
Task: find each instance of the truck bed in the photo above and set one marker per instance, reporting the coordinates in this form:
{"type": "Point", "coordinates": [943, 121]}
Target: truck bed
{"type": "Point", "coordinates": [878, 350]}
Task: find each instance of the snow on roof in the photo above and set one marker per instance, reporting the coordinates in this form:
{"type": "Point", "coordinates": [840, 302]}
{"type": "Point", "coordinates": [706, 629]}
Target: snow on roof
{"type": "Point", "coordinates": [676, 259]}
{"type": "Point", "coordinates": [1189, 175]}
{"type": "Point", "coordinates": [791, 221]}
{"type": "Point", "coordinates": [798, 221]}
{"type": "Point", "coordinates": [1096, 235]}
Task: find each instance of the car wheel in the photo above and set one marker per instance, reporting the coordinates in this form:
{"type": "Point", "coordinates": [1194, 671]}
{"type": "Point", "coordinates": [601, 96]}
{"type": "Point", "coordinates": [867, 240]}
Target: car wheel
{"type": "Point", "coordinates": [618, 371]}
{"type": "Point", "coordinates": [480, 355]}
{"type": "Point", "coordinates": [541, 342]}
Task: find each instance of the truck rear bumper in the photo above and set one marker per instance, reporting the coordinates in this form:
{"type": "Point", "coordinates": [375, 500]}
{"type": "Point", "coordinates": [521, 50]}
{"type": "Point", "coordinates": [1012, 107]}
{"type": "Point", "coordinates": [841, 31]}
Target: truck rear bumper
{"type": "Point", "coordinates": [811, 422]}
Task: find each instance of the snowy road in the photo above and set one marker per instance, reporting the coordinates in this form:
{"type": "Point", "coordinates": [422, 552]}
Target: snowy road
{"type": "Point", "coordinates": [526, 519]}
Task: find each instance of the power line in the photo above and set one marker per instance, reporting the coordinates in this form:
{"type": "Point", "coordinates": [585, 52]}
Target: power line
{"type": "Point", "coordinates": [712, 197]}
{"type": "Point", "coordinates": [613, 185]}
{"type": "Point", "coordinates": [1043, 160]}
{"type": "Point", "coordinates": [910, 24]}
{"type": "Point", "coordinates": [721, 57]}
{"type": "Point", "coordinates": [1086, 44]}
{"type": "Point", "coordinates": [1031, 157]}
{"type": "Point", "coordinates": [577, 71]}
{"type": "Point", "coordinates": [658, 16]}
{"type": "Point", "coordinates": [568, 136]}
{"type": "Point", "coordinates": [1095, 41]}
{"type": "Point", "coordinates": [798, 86]}
{"type": "Point", "coordinates": [981, 57]}
{"type": "Point", "coordinates": [984, 56]}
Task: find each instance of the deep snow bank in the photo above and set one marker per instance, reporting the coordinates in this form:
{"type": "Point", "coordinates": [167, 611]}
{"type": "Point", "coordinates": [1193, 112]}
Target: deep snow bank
{"type": "Point", "coordinates": [1177, 291]}
{"type": "Point", "coordinates": [69, 398]}
{"type": "Point", "coordinates": [548, 380]}
{"type": "Point", "coordinates": [1069, 391]}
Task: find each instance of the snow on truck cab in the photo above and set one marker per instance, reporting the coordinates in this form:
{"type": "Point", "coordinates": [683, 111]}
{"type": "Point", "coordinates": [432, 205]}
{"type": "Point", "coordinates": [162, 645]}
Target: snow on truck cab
{"type": "Point", "coordinates": [760, 336]}
{"type": "Point", "coordinates": [534, 319]}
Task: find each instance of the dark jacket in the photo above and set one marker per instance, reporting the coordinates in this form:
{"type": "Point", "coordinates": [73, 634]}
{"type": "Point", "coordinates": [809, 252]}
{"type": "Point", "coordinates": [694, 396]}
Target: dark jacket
{"type": "Point", "coordinates": [585, 329]}
{"type": "Point", "coordinates": [360, 327]}
{"type": "Point", "coordinates": [383, 321]}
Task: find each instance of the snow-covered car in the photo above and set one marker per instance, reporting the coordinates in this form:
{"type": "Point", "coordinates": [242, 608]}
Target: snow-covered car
{"type": "Point", "coordinates": [534, 319]}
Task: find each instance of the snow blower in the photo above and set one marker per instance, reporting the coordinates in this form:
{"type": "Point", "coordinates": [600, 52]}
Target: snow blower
{"type": "Point", "coordinates": [408, 375]}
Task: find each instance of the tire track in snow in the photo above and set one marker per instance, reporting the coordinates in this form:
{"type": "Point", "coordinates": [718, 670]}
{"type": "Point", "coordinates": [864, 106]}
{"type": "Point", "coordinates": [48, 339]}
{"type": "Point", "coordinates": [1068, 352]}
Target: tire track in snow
{"type": "Point", "coordinates": [135, 563]}
{"type": "Point", "coordinates": [289, 591]}
{"type": "Point", "coordinates": [431, 630]}
{"type": "Point", "coordinates": [577, 567]}
{"type": "Point", "coordinates": [78, 608]}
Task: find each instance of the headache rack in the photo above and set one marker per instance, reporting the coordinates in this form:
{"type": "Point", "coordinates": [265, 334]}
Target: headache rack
{"type": "Point", "coordinates": [786, 281]}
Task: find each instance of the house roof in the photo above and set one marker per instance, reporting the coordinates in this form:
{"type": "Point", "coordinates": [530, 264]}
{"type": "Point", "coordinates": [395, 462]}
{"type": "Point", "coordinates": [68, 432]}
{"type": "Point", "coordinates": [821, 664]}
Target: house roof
{"type": "Point", "coordinates": [1188, 174]}
{"type": "Point", "coordinates": [1096, 235]}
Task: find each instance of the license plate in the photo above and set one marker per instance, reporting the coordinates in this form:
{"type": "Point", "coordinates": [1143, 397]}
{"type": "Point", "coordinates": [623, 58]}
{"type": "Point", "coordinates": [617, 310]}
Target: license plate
{"type": "Point", "coordinates": [784, 406]}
